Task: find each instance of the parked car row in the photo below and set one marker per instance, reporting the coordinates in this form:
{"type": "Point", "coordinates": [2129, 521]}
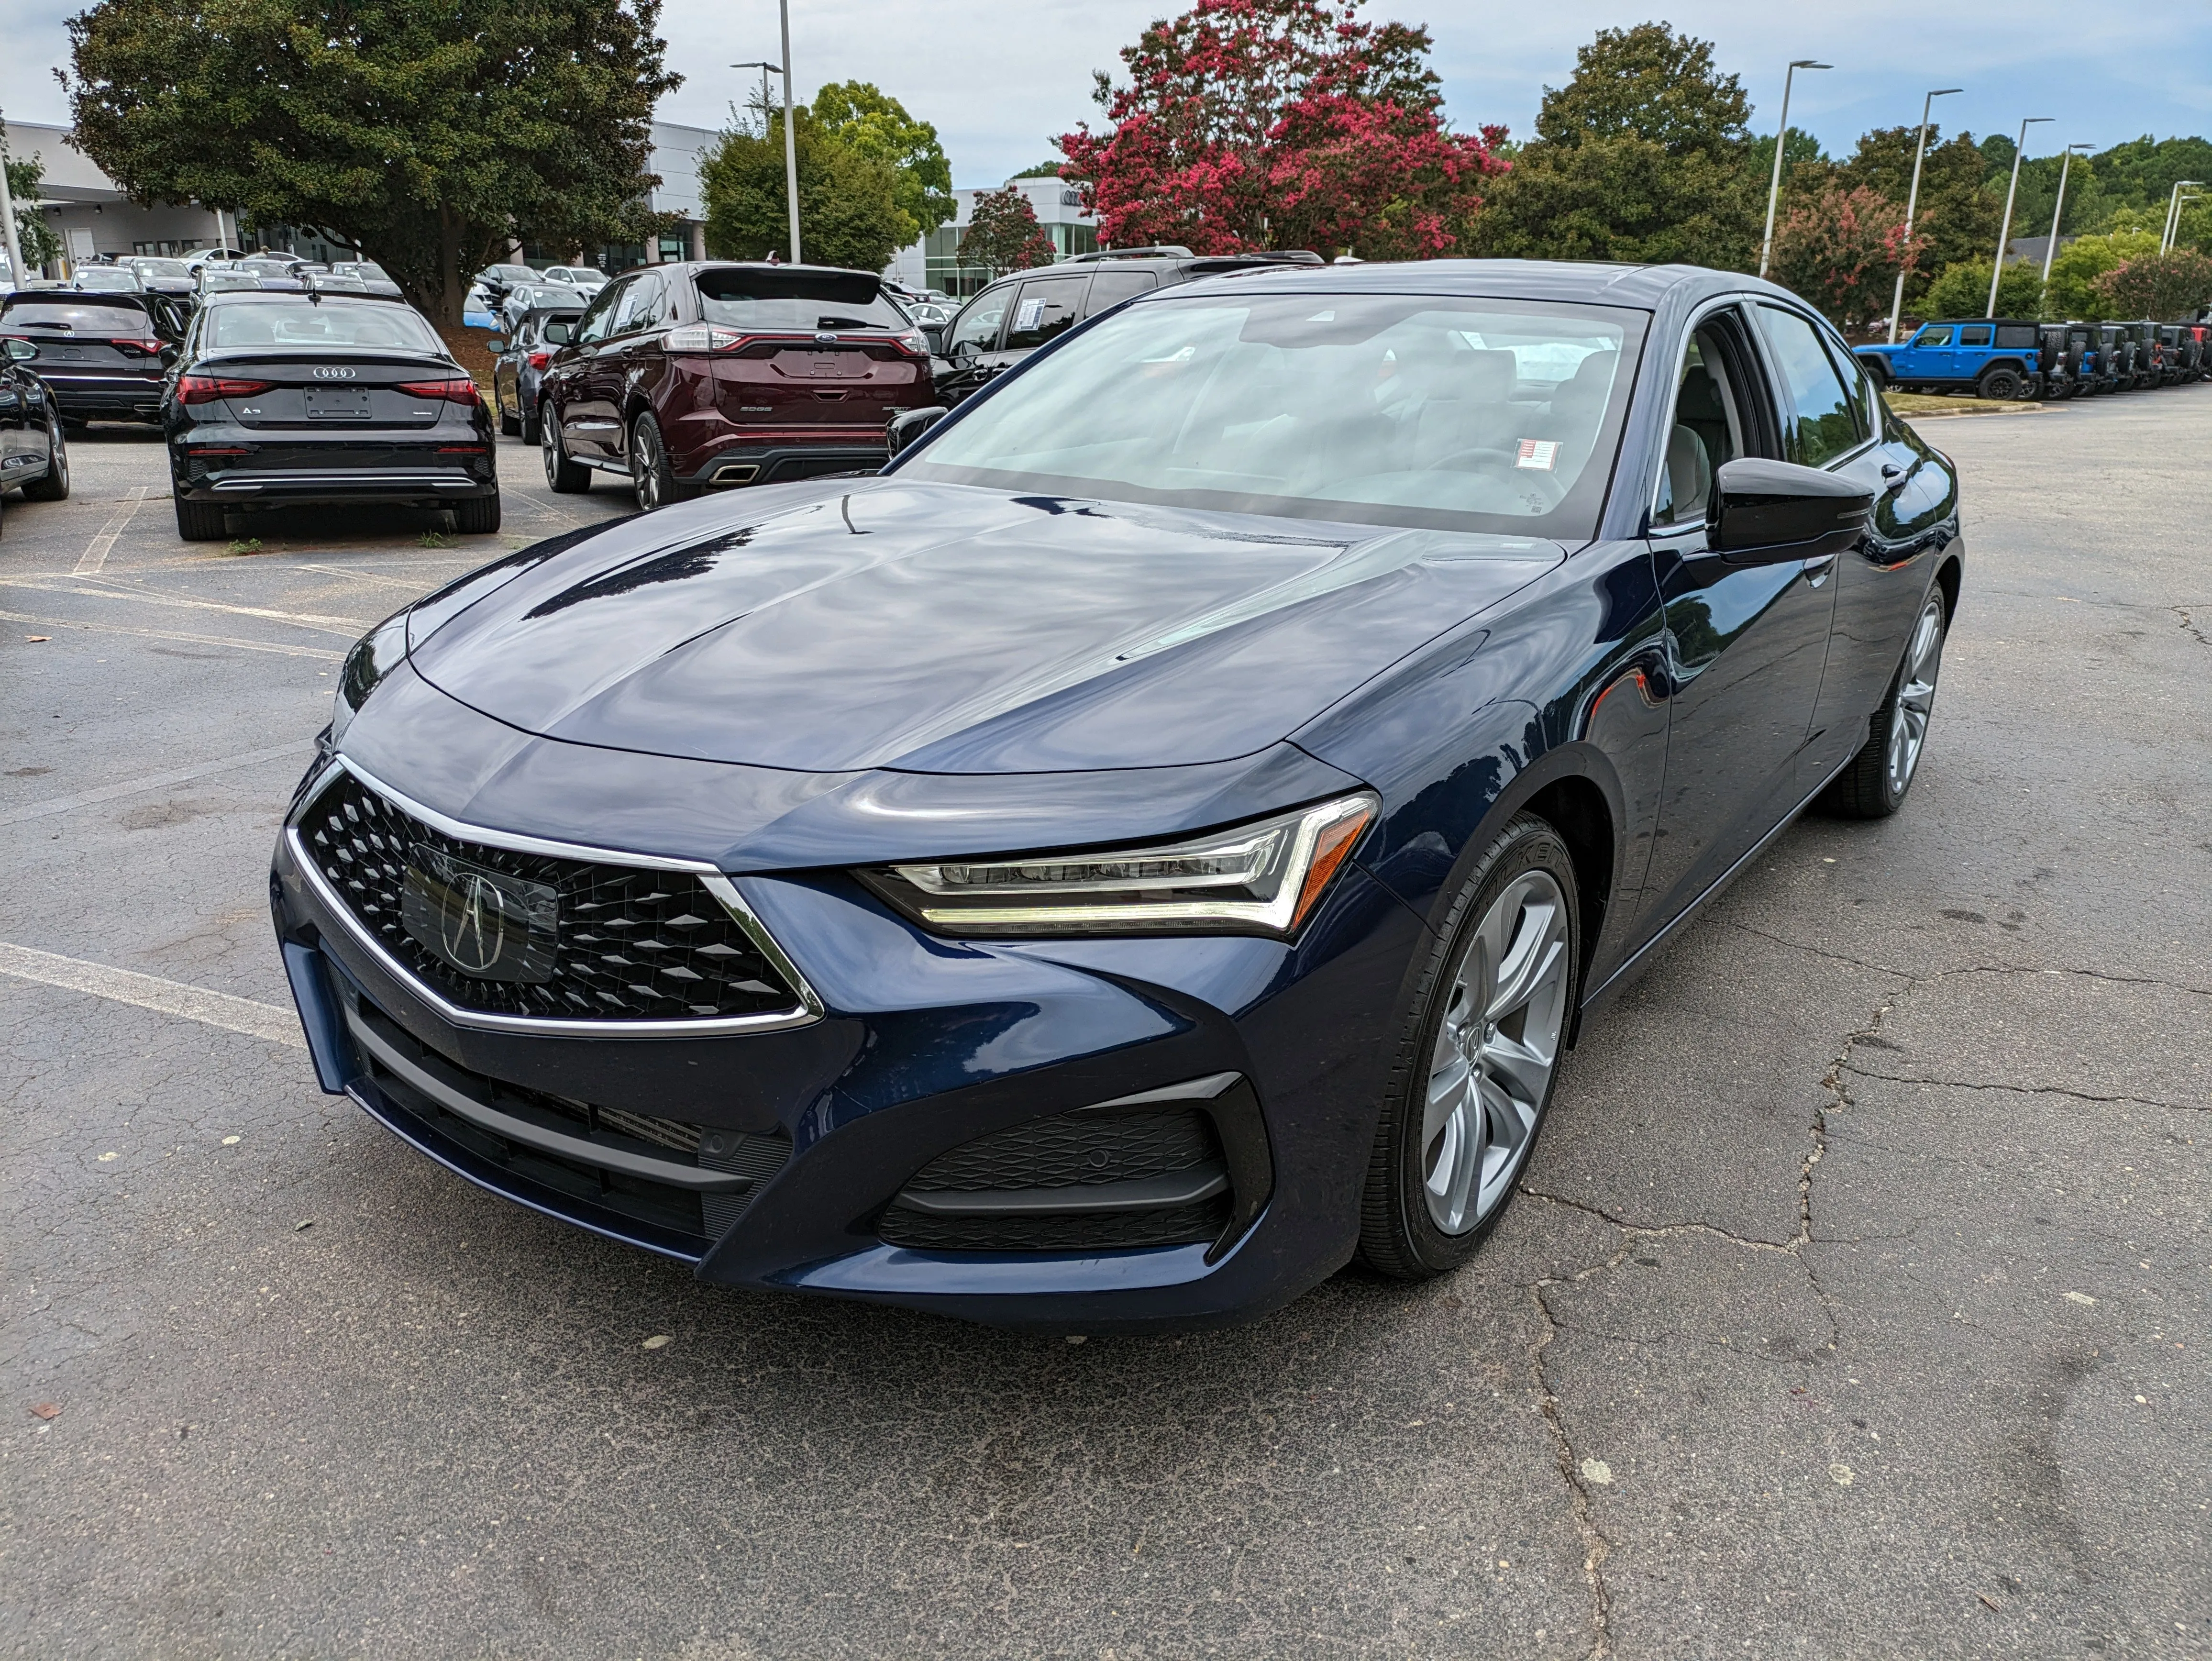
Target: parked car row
{"type": "Point", "coordinates": [2010, 358]}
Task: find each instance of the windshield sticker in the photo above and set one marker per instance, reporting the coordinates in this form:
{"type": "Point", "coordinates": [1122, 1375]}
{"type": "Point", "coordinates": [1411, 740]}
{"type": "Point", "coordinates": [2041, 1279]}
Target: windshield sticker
{"type": "Point", "coordinates": [1541, 453]}
{"type": "Point", "coordinates": [1028, 315]}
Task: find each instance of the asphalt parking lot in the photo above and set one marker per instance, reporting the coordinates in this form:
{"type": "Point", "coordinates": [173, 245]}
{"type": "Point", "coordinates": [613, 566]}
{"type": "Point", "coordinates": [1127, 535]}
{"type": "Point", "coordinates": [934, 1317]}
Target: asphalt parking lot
{"type": "Point", "coordinates": [1857, 1304]}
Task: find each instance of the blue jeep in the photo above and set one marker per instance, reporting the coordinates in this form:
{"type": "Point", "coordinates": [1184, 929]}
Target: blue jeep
{"type": "Point", "coordinates": [1995, 357]}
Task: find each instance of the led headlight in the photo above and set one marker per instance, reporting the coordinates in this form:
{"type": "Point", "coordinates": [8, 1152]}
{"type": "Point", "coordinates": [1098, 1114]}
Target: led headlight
{"type": "Point", "coordinates": [1261, 878]}
{"type": "Point", "coordinates": [374, 655]}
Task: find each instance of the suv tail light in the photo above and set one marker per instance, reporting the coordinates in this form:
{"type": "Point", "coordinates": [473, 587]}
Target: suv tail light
{"type": "Point", "coordinates": [145, 344]}
{"type": "Point", "coordinates": [702, 337]}
{"type": "Point", "coordinates": [459, 390]}
{"type": "Point", "coordinates": [206, 388]}
{"type": "Point", "coordinates": [539, 360]}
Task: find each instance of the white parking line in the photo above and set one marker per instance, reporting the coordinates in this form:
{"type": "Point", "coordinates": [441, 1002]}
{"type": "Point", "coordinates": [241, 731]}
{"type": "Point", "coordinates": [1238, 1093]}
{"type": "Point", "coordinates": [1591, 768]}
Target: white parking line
{"type": "Point", "coordinates": [193, 1003]}
{"type": "Point", "coordinates": [40, 809]}
{"type": "Point", "coordinates": [95, 555]}
{"type": "Point", "coordinates": [165, 634]}
{"type": "Point", "coordinates": [117, 588]}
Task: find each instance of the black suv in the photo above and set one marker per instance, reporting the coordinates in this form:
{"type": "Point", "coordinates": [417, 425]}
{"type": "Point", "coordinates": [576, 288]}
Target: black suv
{"type": "Point", "coordinates": [1018, 313]}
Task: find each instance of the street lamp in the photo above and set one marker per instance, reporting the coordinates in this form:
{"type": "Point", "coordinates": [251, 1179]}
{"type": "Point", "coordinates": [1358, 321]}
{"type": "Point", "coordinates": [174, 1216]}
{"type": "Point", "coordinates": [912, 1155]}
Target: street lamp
{"type": "Point", "coordinates": [790, 138]}
{"type": "Point", "coordinates": [766, 68]}
{"type": "Point", "coordinates": [2057, 208]}
{"type": "Point", "coordinates": [2173, 213]}
{"type": "Point", "coordinates": [1781, 139]}
{"type": "Point", "coordinates": [2004, 231]}
{"type": "Point", "coordinates": [1912, 202]}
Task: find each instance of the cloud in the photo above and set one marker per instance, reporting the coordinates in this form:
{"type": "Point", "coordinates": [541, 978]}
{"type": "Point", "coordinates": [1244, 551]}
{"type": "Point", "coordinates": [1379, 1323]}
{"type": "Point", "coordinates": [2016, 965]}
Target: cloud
{"type": "Point", "coordinates": [999, 82]}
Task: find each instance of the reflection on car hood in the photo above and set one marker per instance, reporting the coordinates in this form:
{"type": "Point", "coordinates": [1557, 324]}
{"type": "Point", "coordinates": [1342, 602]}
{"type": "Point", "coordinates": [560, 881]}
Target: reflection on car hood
{"type": "Point", "coordinates": [948, 629]}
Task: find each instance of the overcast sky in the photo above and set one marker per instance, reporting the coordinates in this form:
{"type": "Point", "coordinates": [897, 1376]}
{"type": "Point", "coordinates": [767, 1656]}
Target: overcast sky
{"type": "Point", "coordinates": [999, 80]}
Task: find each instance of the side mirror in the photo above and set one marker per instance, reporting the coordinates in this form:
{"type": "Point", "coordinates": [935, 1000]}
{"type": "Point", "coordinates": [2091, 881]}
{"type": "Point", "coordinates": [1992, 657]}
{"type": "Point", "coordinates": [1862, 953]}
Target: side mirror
{"type": "Point", "coordinates": [935, 334]}
{"type": "Point", "coordinates": [168, 356]}
{"type": "Point", "coordinates": [495, 342]}
{"type": "Point", "coordinates": [904, 429]}
{"type": "Point", "coordinates": [22, 352]}
{"type": "Point", "coordinates": [558, 334]}
{"type": "Point", "coordinates": [1765, 513]}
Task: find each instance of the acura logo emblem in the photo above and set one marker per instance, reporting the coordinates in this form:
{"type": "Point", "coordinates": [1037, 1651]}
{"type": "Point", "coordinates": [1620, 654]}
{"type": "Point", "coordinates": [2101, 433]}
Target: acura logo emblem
{"type": "Point", "coordinates": [487, 924]}
{"type": "Point", "coordinates": [334, 374]}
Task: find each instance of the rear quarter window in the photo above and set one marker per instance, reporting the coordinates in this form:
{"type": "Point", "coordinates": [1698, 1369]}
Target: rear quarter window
{"type": "Point", "coordinates": [2018, 338]}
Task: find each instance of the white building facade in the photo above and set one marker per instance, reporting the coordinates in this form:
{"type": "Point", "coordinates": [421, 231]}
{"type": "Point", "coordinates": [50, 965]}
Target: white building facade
{"type": "Point", "coordinates": [934, 262]}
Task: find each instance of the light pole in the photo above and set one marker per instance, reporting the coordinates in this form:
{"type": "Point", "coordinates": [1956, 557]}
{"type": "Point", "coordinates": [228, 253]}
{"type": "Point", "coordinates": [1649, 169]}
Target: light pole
{"type": "Point", "coordinates": [2057, 208]}
{"type": "Point", "coordinates": [1781, 140]}
{"type": "Point", "coordinates": [2173, 213]}
{"type": "Point", "coordinates": [766, 68]}
{"type": "Point", "coordinates": [2004, 231]}
{"type": "Point", "coordinates": [1913, 202]}
{"type": "Point", "coordinates": [790, 138]}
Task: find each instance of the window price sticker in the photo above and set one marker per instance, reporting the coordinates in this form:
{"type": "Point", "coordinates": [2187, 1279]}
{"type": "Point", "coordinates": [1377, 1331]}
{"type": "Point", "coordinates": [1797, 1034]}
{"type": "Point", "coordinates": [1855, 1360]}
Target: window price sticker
{"type": "Point", "coordinates": [1541, 453]}
{"type": "Point", "coordinates": [1028, 315]}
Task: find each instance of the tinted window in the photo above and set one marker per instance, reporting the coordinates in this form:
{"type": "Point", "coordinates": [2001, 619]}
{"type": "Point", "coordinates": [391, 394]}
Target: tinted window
{"type": "Point", "coordinates": [1044, 308]}
{"type": "Point", "coordinates": [1818, 413]}
{"type": "Point", "coordinates": [978, 326]}
{"type": "Point", "coordinates": [85, 317]}
{"type": "Point", "coordinates": [594, 325]}
{"type": "Point", "coordinates": [1110, 288]}
{"type": "Point", "coordinates": [638, 305]}
{"type": "Point", "coordinates": [1977, 335]}
{"type": "Point", "coordinates": [1707, 432]}
{"type": "Point", "coordinates": [793, 302]}
{"type": "Point", "coordinates": [2019, 338]}
{"type": "Point", "coordinates": [1932, 337]}
{"type": "Point", "coordinates": [1379, 409]}
{"type": "Point", "coordinates": [336, 325]}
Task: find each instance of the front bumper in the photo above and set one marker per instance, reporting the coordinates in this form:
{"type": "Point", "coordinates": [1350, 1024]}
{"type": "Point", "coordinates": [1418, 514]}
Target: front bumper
{"type": "Point", "coordinates": [921, 1047]}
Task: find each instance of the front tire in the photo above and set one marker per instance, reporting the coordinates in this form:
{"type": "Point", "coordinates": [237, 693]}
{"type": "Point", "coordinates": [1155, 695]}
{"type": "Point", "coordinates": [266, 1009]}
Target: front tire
{"type": "Point", "coordinates": [562, 476]}
{"type": "Point", "coordinates": [1875, 784]}
{"type": "Point", "coordinates": [200, 521]}
{"type": "Point", "coordinates": [1477, 1057]}
{"type": "Point", "coordinates": [55, 486]}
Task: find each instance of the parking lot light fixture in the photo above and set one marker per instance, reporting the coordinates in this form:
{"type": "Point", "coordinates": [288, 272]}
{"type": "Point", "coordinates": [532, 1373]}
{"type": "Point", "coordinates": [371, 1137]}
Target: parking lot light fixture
{"type": "Point", "coordinates": [2004, 230]}
{"type": "Point", "coordinates": [2173, 213]}
{"type": "Point", "coordinates": [2057, 208]}
{"type": "Point", "coordinates": [790, 138]}
{"type": "Point", "coordinates": [1780, 141]}
{"type": "Point", "coordinates": [1912, 202]}
{"type": "Point", "coordinates": [766, 68]}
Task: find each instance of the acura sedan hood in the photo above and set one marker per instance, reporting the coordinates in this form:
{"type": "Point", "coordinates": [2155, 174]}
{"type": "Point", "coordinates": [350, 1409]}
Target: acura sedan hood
{"type": "Point", "coordinates": [949, 628]}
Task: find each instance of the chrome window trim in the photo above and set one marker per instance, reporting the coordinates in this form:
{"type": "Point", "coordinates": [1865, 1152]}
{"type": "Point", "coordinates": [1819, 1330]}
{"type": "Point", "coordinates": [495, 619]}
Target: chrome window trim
{"type": "Point", "coordinates": [809, 1010]}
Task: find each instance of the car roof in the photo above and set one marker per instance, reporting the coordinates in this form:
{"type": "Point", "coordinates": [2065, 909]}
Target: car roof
{"type": "Point", "coordinates": [1643, 287]}
{"type": "Point", "coordinates": [326, 296]}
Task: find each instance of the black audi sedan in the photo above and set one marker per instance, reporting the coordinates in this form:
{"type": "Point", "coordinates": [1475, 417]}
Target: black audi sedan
{"type": "Point", "coordinates": [1154, 842]}
{"type": "Point", "coordinates": [287, 400]}
{"type": "Point", "coordinates": [102, 355]}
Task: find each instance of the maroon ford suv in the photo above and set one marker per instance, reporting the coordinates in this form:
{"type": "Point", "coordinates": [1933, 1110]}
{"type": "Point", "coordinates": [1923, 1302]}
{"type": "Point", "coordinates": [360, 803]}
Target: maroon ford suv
{"type": "Point", "coordinates": [702, 375]}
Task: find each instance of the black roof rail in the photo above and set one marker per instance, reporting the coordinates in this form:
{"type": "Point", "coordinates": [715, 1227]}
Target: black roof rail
{"type": "Point", "coordinates": [1241, 262]}
{"type": "Point", "coordinates": [1164, 251]}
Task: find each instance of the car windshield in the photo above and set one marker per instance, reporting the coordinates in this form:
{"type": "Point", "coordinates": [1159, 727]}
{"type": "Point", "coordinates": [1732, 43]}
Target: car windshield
{"type": "Point", "coordinates": [123, 322]}
{"type": "Point", "coordinates": [160, 268]}
{"type": "Point", "coordinates": [795, 302]}
{"type": "Point", "coordinates": [335, 325]}
{"type": "Point", "coordinates": [107, 277]}
{"type": "Point", "coordinates": [1462, 414]}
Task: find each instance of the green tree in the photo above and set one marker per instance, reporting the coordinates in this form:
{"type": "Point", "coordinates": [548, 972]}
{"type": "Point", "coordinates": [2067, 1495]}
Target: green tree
{"type": "Point", "coordinates": [1641, 156]}
{"type": "Point", "coordinates": [1003, 234]}
{"type": "Point", "coordinates": [876, 126]}
{"type": "Point", "coordinates": [2075, 272]}
{"type": "Point", "coordinates": [430, 132]}
{"type": "Point", "coordinates": [849, 211]}
{"type": "Point", "coordinates": [34, 235]}
{"type": "Point", "coordinates": [1963, 290]}
{"type": "Point", "coordinates": [1958, 216]}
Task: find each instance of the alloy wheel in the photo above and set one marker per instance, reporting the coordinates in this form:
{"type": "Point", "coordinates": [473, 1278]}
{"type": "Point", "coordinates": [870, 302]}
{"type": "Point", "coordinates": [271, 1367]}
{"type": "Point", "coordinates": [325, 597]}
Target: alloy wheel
{"type": "Point", "coordinates": [58, 454]}
{"type": "Point", "coordinates": [549, 448]}
{"type": "Point", "coordinates": [1915, 696]}
{"type": "Point", "coordinates": [644, 464]}
{"type": "Point", "coordinates": [1496, 1049]}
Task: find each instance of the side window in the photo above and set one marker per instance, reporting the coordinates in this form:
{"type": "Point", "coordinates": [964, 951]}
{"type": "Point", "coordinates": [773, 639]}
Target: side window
{"type": "Point", "coordinates": [639, 307]}
{"type": "Point", "coordinates": [1976, 334]}
{"type": "Point", "coordinates": [1818, 421]}
{"type": "Point", "coordinates": [1931, 336]}
{"type": "Point", "coordinates": [593, 324]}
{"type": "Point", "coordinates": [1109, 288]}
{"type": "Point", "coordinates": [977, 326]}
{"type": "Point", "coordinates": [1047, 307]}
{"type": "Point", "coordinates": [1863, 398]}
{"type": "Point", "coordinates": [1708, 429]}
{"type": "Point", "coordinates": [2020, 337]}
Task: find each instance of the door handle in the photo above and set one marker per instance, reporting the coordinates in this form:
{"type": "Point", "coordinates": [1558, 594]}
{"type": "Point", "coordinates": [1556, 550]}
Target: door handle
{"type": "Point", "coordinates": [1817, 569]}
{"type": "Point", "coordinates": [1893, 478]}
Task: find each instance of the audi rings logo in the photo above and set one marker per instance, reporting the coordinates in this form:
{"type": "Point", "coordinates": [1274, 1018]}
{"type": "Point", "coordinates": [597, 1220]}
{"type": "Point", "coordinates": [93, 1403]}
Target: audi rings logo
{"type": "Point", "coordinates": [334, 374]}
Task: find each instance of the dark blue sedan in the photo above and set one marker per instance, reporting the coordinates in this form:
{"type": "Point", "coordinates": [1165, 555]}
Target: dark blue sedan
{"type": "Point", "coordinates": [1152, 843]}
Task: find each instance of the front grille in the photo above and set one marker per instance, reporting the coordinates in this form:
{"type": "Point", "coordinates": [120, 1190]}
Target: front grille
{"type": "Point", "coordinates": [628, 944]}
{"type": "Point", "coordinates": [1066, 1159]}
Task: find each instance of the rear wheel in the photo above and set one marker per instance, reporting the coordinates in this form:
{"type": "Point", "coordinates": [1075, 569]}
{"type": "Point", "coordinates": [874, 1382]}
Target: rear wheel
{"type": "Point", "coordinates": [476, 517]}
{"type": "Point", "coordinates": [510, 426]}
{"type": "Point", "coordinates": [531, 426]}
{"type": "Point", "coordinates": [1476, 1058]}
{"type": "Point", "coordinates": [199, 521]}
{"type": "Point", "coordinates": [564, 477]}
{"type": "Point", "coordinates": [1873, 785]}
{"type": "Point", "coordinates": [2000, 384]}
{"type": "Point", "coordinates": [650, 476]}
{"type": "Point", "coordinates": [54, 487]}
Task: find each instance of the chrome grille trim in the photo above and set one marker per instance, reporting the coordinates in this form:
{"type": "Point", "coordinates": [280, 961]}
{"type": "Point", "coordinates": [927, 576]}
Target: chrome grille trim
{"type": "Point", "coordinates": [808, 1010]}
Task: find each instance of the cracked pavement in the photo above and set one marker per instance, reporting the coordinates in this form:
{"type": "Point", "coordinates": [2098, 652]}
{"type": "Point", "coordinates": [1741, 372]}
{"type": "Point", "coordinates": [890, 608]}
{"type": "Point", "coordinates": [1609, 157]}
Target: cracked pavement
{"type": "Point", "coordinates": [1856, 1306]}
